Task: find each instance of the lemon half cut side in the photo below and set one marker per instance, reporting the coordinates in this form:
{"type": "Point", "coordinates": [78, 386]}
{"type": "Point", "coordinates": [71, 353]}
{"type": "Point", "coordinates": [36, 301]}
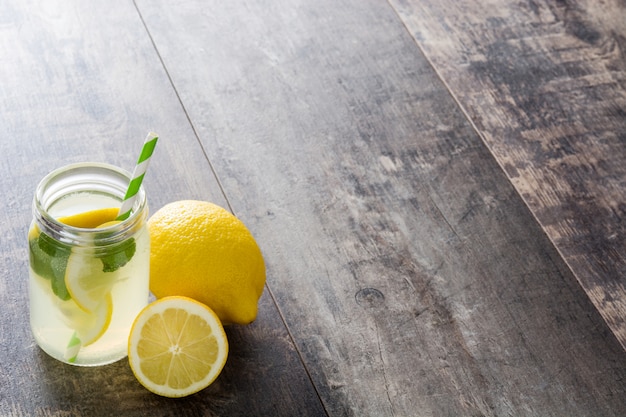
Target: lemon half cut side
{"type": "Point", "coordinates": [177, 346]}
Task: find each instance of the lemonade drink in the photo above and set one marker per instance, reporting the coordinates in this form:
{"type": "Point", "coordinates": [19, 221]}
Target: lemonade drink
{"type": "Point", "coordinates": [88, 273]}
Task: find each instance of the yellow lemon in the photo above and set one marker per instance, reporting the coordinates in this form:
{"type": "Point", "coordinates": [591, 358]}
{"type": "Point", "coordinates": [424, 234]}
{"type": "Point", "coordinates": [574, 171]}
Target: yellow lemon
{"type": "Point", "coordinates": [33, 232]}
{"type": "Point", "coordinates": [109, 224]}
{"type": "Point", "coordinates": [89, 326]}
{"type": "Point", "coordinates": [201, 251]}
{"type": "Point", "coordinates": [86, 281]}
{"type": "Point", "coordinates": [90, 219]}
{"type": "Point", "coordinates": [177, 347]}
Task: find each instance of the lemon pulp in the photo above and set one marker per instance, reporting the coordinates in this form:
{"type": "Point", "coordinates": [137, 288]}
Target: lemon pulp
{"type": "Point", "coordinates": [177, 347]}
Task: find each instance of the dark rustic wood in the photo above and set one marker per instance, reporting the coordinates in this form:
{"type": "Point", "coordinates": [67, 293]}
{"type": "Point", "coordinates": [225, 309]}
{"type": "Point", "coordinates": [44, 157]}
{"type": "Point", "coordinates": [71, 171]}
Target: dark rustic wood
{"type": "Point", "coordinates": [406, 276]}
{"type": "Point", "coordinates": [409, 272]}
{"type": "Point", "coordinates": [80, 82]}
{"type": "Point", "coordinates": [544, 82]}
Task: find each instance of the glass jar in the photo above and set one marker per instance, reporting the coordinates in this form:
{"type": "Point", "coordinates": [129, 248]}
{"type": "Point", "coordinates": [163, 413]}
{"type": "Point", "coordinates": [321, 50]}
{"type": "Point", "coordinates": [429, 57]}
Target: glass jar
{"type": "Point", "coordinates": [89, 273]}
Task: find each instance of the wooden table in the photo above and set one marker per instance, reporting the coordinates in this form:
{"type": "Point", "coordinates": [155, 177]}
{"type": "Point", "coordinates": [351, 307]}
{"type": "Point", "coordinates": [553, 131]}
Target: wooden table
{"type": "Point", "coordinates": [438, 188]}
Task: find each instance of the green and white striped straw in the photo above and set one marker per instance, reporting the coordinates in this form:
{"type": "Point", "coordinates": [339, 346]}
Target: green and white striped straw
{"type": "Point", "coordinates": [138, 174]}
{"type": "Point", "coordinates": [72, 349]}
{"type": "Point", "coordinates": [74, 345]}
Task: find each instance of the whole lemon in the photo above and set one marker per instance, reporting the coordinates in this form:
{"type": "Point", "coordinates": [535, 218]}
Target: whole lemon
{"type": "Point", "coordinates": [202, 251]}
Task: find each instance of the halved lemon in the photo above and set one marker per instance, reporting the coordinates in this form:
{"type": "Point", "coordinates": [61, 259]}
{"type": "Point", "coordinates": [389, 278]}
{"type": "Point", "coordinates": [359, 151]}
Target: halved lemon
{"type": "Point", "coordinates": [86, 281]}
{"type": "Point", "coordinates": [177, 347]}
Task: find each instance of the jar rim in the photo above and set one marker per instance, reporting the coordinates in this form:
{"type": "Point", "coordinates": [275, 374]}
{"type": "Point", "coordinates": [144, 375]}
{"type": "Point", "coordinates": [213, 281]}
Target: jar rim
{"type": "Point", "coordinates": [87, 236]}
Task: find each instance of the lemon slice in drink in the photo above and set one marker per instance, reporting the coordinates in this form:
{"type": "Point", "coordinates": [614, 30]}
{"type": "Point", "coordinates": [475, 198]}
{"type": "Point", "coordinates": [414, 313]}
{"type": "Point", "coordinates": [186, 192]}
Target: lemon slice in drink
{"type": "Point", "coordinates": [86, 281]}
{"type": "Point", "coordinates": [90, 219]}
{"type": "Point", "coordinates": [89, 327]}
{"type": "Point", "coordinates": [177, 346]}
{"type": "Point", "coordinates": [109, 224]}
{"type": "Point", "coordinates": [98, 322]}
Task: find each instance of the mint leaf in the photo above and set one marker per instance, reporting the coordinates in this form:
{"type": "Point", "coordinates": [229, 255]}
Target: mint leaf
{"type": "Point", "coordinates": [58, 278]}
{"type": "Point", "coordinates": [48, 258]}
{"type": "Point", "coordinates": [118, 255]}
{"type": "Point", "coordinates": [39, 259]}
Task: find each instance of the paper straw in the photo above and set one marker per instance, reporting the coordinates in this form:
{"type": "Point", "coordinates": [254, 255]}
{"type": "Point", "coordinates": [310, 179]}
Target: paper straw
{"type": "Point", "coordinates": [74, 345]}
{"type": "Point", "coordinates": [72, 349]}
{"type": "Point", "coordinates": [138, 174]}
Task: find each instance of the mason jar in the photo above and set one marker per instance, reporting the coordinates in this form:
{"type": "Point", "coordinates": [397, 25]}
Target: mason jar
{"type": "Point", "coordinates": [89, 273]}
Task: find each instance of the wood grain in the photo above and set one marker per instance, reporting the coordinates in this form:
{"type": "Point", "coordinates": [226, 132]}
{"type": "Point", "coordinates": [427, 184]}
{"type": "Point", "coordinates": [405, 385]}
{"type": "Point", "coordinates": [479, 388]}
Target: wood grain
{"type": "Point", "coordinates": [83, 82]}
{"type": "Point", "coordinates": [545, 84]}
{"type": "Point", "coordinates": [411, 276]}
{"type": "Point", "coordinates": [406, 275]}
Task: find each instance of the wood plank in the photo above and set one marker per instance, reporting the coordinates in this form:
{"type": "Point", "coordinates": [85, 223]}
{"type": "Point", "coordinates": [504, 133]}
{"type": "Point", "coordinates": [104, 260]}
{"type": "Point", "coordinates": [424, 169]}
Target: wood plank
{"type": "Point", "coordinates": [408, 270]}
{"type": "Point", "coordinates": [545, 85]}
{"type": "Point", "coordinates": [82, 82]}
